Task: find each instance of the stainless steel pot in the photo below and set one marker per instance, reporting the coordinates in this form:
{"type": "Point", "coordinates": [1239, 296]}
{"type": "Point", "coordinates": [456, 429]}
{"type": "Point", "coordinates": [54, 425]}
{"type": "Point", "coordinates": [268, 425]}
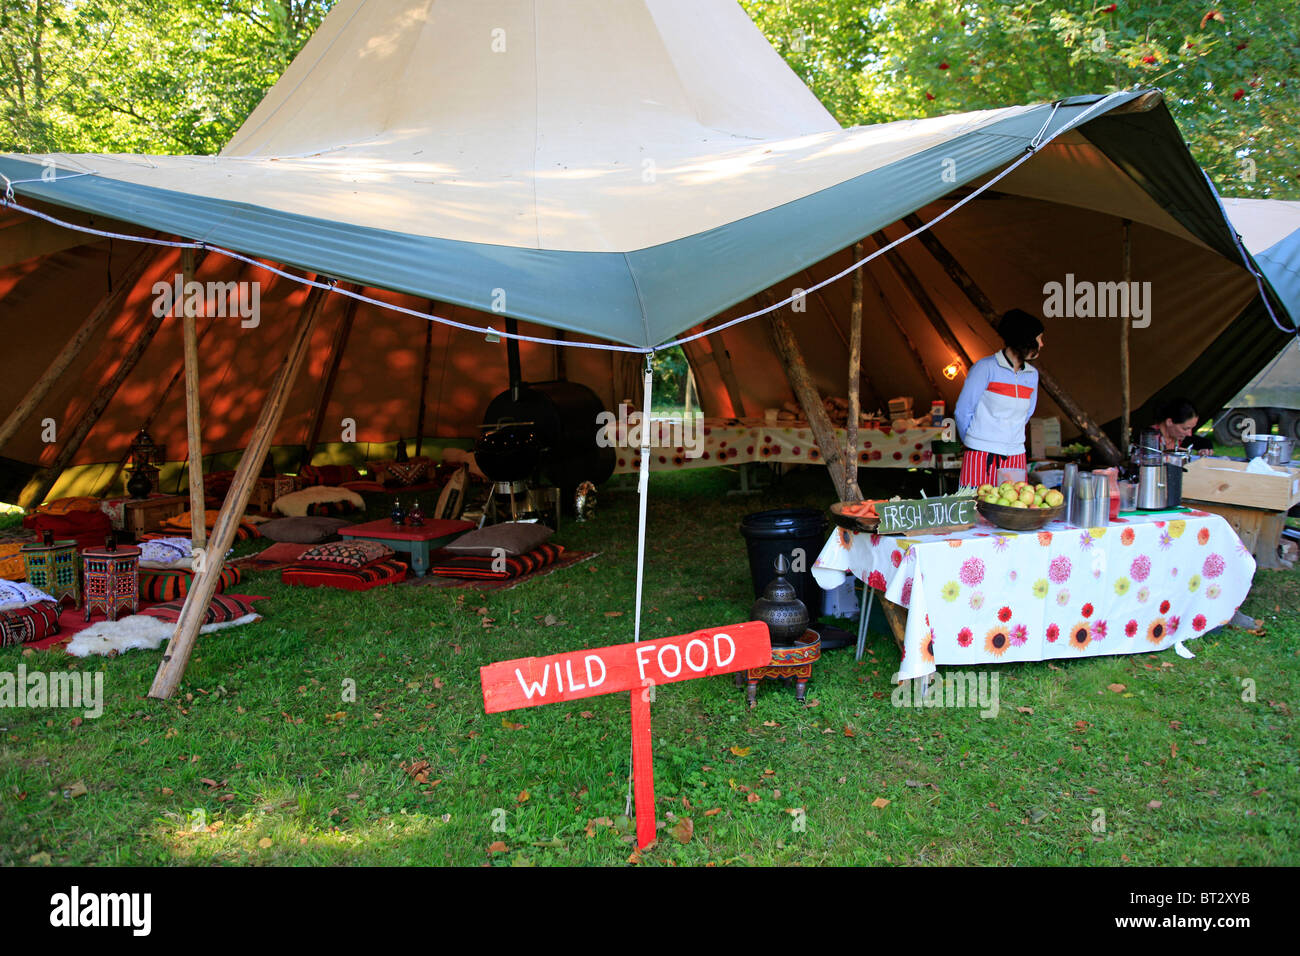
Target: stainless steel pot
{"type": "Point", "coordinates": [1152, 487]}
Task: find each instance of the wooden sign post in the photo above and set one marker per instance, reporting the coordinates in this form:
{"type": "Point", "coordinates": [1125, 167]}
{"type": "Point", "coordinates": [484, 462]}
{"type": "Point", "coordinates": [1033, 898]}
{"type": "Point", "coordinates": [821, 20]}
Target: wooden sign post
{"type": "Point", "coordinates": [638, 667]}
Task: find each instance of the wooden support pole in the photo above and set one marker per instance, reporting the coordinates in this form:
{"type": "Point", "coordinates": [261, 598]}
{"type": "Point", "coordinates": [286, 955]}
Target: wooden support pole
{"type": "Point", "coordinates": [193, 432]}
{"type": "Point", "coordinates": [855, 378]}
{"type": "Point", "coordinates": [810, 399]}
{"type": "Point", "coordinates": [984, 305]}
{"type": "Point", "coordinates": [424, 381]}
{"type": "Point", "coordinates": [91, 329]}
{"type": "Point", "coordinates": [917, 291]}
{"type": "Point", "coordinates": [204, 584]}
{"type": "Point", "coordinates": [888, 308]}
{"type": "Point", "coordinates": [722, 358]}
{"type": "Point", "coordinates": [1125, 393]}
{"type": "Point", "coordinates": [341, 335]}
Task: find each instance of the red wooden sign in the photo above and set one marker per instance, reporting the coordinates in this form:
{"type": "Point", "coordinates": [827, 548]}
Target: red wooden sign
{"type": "Point", "coordinates": [533, 681]}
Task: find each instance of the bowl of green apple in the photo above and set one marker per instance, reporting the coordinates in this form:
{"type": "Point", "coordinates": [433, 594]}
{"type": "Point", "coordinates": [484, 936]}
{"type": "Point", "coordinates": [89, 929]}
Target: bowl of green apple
{"type": "Point", "coordinates": [1019, 506]}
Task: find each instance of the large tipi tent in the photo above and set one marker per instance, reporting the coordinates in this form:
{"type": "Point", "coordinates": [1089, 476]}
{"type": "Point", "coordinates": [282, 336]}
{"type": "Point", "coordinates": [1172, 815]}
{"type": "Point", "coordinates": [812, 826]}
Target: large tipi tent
{"type": "Point", "coordinates": [616, 173]}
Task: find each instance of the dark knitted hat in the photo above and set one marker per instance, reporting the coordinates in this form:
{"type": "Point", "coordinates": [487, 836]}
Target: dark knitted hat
{"type": "Point", "coordinates": [1020, 330]}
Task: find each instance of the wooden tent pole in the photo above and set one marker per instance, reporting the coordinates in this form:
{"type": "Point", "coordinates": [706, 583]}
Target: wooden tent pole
{"type": "Point", "coordinates": [193, 433]}
{"type": "Point", "coordinates": [1125, 394]}
{"type": "Point", "coordinates": [855, 378]}
{"type": "Point", "coordinates": [888, 309]}
{"type": "Point", "coordinates": [810, 399]}
{"type": "Point", "coordinates": [984, 305]}
{"type": "Point", "coordinates": [90, 329]}
{"type": "Point", "coordinates": [722, 359]}
{"type": "Point", "coordinates": [424, 381]}
{"type": "Point", "coordinates": [917, 291]}
{"type": "Point", "coordinates": [341, 335]}
{"type": "Point", "coordinates": [204, 584]}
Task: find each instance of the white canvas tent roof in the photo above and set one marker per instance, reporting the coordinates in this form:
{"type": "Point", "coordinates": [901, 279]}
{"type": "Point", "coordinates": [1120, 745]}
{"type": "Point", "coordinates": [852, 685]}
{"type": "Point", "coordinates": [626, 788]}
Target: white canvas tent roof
{"type": "Point", "coordinates": [615, 172]}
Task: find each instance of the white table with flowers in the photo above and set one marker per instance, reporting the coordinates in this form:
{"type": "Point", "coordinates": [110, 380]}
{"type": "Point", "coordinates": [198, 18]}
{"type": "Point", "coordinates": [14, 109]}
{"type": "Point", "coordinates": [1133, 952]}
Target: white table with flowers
{"type": "Point", "coordinates": [1146, 582]}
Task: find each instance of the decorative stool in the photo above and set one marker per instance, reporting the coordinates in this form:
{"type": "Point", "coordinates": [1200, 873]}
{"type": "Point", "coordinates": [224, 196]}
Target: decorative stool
{"type": "Point", "coordinates": [795, 647]}
{"type": "Point", "coordinates": [112, 580]}
{"type": "Point", "coordinates": [53, 568]}
{"type": "Point", "coordinates": [792, 661]}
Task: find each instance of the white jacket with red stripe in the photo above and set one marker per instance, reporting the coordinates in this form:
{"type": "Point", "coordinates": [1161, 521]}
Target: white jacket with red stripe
{"type": "Point", "coordinates": [995, 405]}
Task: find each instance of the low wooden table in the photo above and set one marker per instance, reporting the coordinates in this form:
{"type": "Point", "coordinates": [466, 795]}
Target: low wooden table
{"type": "Point", "coordinates": [55, 569]}
{"type": "Point", "coordinates": [112, 580]}
{"type": "Point", "coordinates": [140, 516]}
{"type": "Point", "coordinates": [417, 541]}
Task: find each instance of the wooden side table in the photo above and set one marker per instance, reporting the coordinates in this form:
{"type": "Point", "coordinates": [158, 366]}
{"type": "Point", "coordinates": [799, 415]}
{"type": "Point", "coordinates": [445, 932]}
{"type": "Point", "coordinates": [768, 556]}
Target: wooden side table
{"type": "Point", "coordinates": [140, 516]}
{"type": "Point", "coordinates": [792, 661]}
{"type": "Point", "coordinates": [418, 541]}
{"type": "Point", "coordinates": [54, 569]}
{"type": "Point", "coordinates": [112, 580]}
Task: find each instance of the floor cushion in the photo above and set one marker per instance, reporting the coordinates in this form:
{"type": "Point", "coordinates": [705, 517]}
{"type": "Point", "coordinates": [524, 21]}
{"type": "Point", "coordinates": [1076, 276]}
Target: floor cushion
{"type": "Point", "coordinates": [449, 565]}
{"type": "Point", "coordinates": [61, 506]}
{"type": "Point", "coordinates": [511, 538]}
{"type": "Point", "coordinates": [87, 528]}
{"type": "Point", "coordinates": [296, 503]}
{"type": "Point", "coordinates": [346, 554]}
{"type": "Point", "coordinates": [180, 524]}
{"type": "Point", "coordinates": [168, 584]}
{"type": "Point", "coordinates": [15, 594]}
{"type": "Point", "coordinates": [334, 475]}
{"type": "Point", "coordinates": [373, 575]}
{"type": "Point", "coordinates": [304, 530]}
{"type": "Point", "coordinates": [12, 565]}
{"type": "Point", "coordinates": [222, 609]}
{"type": "Point", "coordinates": [25, 625]}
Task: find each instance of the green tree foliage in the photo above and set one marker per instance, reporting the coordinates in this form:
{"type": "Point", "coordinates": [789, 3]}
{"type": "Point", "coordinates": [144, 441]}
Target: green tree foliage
{"type": "Point", "coordinates": [1231, 73]}
{"type": "Point", "coordinates": [147, 76]}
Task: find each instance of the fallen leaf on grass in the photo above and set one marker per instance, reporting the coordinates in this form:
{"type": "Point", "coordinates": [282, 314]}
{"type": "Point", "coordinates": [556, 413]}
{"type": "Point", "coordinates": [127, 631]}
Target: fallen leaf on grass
{"type": "Point", "coordinates": [1155, 805]}
{"type": "Point", "coordinates": [613, 613]}
{"type": "Point", "coordinates": [264, 843]}
{"type": "Point", "coordinates": [523, 797]}
{"type": "Point", "coordinates": [39, 859]}
{"type": "Point", "coordinates": [586, 715]}
{"type": "Point", "coordinates": [1025, 710]}
{"type": "Point", "coordinates": [510, 725]}
{"type": "Point", "coordinates": [741, 751]}
{"type": "Point", "coordinates": [498, 847]}
{"type": "Point", "coordinates": [880, 803]}
{"type": "Point", "coordinates": [849, 731]}
{"type": "Point", "coordinates": [74, 790]}
{"type": "Point", "coordinates": [753, 798]}
{"type": "Point", "coordinates": [1116, 688]}
{"type": "Point", "coordinates": [337, 715]}
{"type": "Point", "coordinates": [683, 830]}
{"type": "Point", "coordinates": [714, 812]}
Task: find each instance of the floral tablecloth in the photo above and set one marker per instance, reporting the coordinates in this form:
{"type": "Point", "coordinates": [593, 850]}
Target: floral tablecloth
{"type": "Point", "coordinates": [737, 441]}
{"type": "Point", "coordinates": [985, 596]}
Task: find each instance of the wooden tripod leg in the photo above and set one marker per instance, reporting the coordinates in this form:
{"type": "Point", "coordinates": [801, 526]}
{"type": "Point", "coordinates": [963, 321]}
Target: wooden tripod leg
{"type": "Point", "coordinates": [204, 584]}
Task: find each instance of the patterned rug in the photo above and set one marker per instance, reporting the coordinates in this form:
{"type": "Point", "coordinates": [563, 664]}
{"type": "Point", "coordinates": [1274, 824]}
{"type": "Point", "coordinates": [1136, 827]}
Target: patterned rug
{"type": "Point", "coordinates": [568, 559]}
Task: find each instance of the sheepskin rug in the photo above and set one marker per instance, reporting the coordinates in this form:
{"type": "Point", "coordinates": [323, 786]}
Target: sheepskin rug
{"type": "Point", "coordinates": [135, 632]}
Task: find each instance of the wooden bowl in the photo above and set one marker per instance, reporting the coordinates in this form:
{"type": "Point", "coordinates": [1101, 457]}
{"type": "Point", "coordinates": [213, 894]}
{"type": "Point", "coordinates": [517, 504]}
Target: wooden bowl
{"type": "Point", "coordinates": [1018, 519]}
{"type": "Point", "coordinates": [853, 522]}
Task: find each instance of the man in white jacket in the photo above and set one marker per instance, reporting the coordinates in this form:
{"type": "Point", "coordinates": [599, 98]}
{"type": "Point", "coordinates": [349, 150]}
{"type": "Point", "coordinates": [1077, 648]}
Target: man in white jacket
{"type": "Point", "coordinates": [997, 401]}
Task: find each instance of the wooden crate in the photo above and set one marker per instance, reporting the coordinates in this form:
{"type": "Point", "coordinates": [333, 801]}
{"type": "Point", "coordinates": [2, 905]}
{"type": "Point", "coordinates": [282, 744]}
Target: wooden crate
{"type": "Point", "coordinates": [1221, 481]}
{"type": "Point", "coordinates": [140, 517]}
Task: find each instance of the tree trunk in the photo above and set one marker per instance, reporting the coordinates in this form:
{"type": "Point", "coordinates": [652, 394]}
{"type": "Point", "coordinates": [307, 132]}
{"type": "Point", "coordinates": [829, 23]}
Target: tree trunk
{"type": "Point", "coordinates": [855, 378]}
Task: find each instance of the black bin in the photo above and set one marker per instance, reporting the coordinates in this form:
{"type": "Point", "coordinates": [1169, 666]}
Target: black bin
{"type": "Point", "coordinates": [799, 534]}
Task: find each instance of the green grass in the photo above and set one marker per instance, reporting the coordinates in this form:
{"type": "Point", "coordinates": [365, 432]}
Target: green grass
{"type": "Point", "coordinates": [286, 771]}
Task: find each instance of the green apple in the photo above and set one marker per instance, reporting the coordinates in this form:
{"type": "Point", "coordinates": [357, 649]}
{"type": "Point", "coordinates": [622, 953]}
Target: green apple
{"type": "Point", "coordinates": [1006, 490]}
{"type": "Point", "coordinates": [991, 499]}
{"type": "Point", "coordinates": [1054, 498]}
{"type": "Point", "coordinates": [1027, 495]}
{"type": "Point", "coordinates": [1004, 502]}
{"type": "Point", "coordinates": [984, 491]}
{"type": "Point", "coordinates": [1019, 504]}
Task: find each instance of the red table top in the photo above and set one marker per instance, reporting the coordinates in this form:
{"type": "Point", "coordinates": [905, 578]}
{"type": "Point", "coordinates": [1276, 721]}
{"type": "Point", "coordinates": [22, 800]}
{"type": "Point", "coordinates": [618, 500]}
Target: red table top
{"type": "Point", "coordinates": [384, 528]}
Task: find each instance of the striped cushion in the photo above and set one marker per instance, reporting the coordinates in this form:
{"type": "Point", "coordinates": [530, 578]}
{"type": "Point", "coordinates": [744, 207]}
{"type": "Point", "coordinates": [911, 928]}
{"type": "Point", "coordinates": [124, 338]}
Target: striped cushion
{"type": "Point", "coordinates": [24, 625]}
{"type": "Point", "coordinates": [348, 579]}
{"type": "Point", "coordinates": [157, 584]}
{"type": "Point", "coordinates": [221, 609]}
{"type": "Point", "coordinates": [485, 566]}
